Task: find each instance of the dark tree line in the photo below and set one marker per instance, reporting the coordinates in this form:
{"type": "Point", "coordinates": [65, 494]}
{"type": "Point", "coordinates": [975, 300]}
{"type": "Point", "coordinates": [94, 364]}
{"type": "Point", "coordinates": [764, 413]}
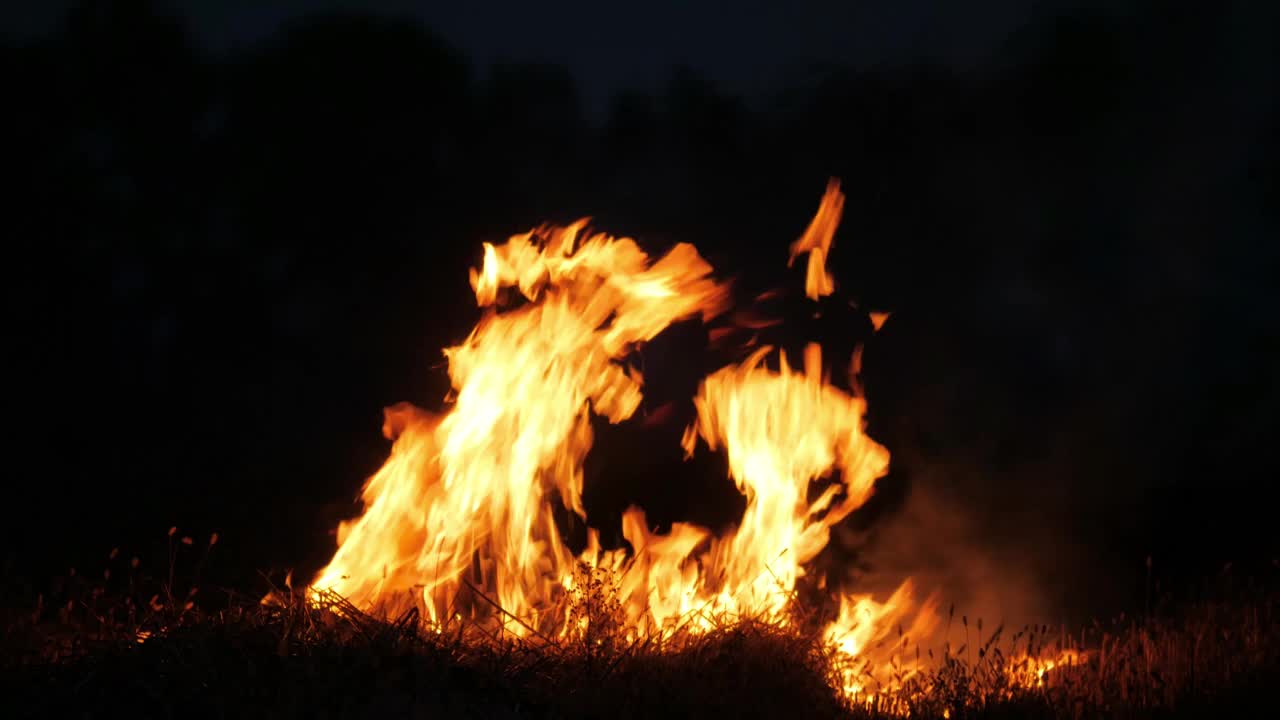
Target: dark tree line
{"type": "Point", "coordinates": [219, 269]}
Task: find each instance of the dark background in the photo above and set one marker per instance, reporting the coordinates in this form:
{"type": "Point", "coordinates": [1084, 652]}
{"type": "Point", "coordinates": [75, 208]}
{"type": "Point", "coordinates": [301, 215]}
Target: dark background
{"type": "Point", "coordinates": [234, 234]}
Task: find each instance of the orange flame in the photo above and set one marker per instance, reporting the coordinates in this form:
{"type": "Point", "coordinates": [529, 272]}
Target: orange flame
{"type": "Point", "coordinates": [816, 241]}
{"type": "Point", "coordinates": [466, 490]}
{"type": "Point", "coordinates": [459, 521]}
{"type": "Point", "coordinates": [1029, 671]}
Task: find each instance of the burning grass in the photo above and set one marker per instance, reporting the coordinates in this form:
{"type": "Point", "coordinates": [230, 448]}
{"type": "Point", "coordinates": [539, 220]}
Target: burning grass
{"type": "Point", "coordinates": [461, 520]}
{"type": "Point", "coordinates": [136, 644]}
{"type": "Point", "coordinates": [454, 592]}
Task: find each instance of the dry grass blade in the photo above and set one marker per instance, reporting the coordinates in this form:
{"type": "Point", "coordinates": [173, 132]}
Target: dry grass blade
{"type": "Point", "coordinates": [502, 610]}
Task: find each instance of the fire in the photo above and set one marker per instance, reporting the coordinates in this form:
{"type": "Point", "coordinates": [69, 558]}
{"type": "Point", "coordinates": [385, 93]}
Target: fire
{"type": "Point", "coordinates": [465, 494]}
{"type": "Point", "coordinates": [862, 639]}
{"type": "Point", "coordinates": [782, 430]}
{"type": "Point", "coordinates": [460, 522]}
{"type": "Point", "coordinates": [816, 241]}
{"type": "Point", "coordinates": [1030, 671]}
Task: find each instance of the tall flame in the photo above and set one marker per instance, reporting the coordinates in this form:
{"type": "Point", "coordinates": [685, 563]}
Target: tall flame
{"type": "Point", "coordinates": [469, 488]}
{"type": "Point", "coordinates": [463, 510]}
{"type": "Point", "coordinates": [816, 241]}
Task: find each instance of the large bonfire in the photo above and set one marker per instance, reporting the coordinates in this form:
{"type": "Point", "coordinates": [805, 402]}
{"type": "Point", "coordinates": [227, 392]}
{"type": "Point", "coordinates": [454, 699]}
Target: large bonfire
{"type": "Point", "coordinates": [460, 523]}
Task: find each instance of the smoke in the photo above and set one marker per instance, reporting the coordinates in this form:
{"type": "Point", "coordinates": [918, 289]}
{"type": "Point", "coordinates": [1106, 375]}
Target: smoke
{"type": "Point", "coordinates": [982, 505]}
{"type": "Point", "coordinates": [950, 554]}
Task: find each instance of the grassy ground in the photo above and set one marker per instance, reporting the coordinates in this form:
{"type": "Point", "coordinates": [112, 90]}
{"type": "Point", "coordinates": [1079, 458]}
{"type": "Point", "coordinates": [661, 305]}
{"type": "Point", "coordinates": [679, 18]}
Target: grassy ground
{"type": "Point", "coordinates": [74, 652]}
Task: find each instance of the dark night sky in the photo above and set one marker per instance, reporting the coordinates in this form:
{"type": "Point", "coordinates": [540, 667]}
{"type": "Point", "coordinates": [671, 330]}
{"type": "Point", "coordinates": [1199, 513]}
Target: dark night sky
{"type": "Point", "coordinates": [744, 47]}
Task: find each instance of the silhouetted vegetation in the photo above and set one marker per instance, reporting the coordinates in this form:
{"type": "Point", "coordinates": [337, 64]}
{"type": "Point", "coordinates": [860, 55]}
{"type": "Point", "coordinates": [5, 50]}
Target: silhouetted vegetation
{"type": "Point", "coordinates": [149, 639]}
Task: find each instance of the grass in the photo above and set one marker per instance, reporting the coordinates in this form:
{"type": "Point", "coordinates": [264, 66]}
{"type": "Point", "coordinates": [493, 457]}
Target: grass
{"type": "Point", "coordinates": [76, 652]}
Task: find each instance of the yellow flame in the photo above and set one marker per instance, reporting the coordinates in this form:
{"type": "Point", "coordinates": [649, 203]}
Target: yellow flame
{"type": "Point", "coordinates": [816, 241]}
{"type": "Point", "coordinates": [459, 520]}
{"type": "Point", "coordinates": [466, 491]}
